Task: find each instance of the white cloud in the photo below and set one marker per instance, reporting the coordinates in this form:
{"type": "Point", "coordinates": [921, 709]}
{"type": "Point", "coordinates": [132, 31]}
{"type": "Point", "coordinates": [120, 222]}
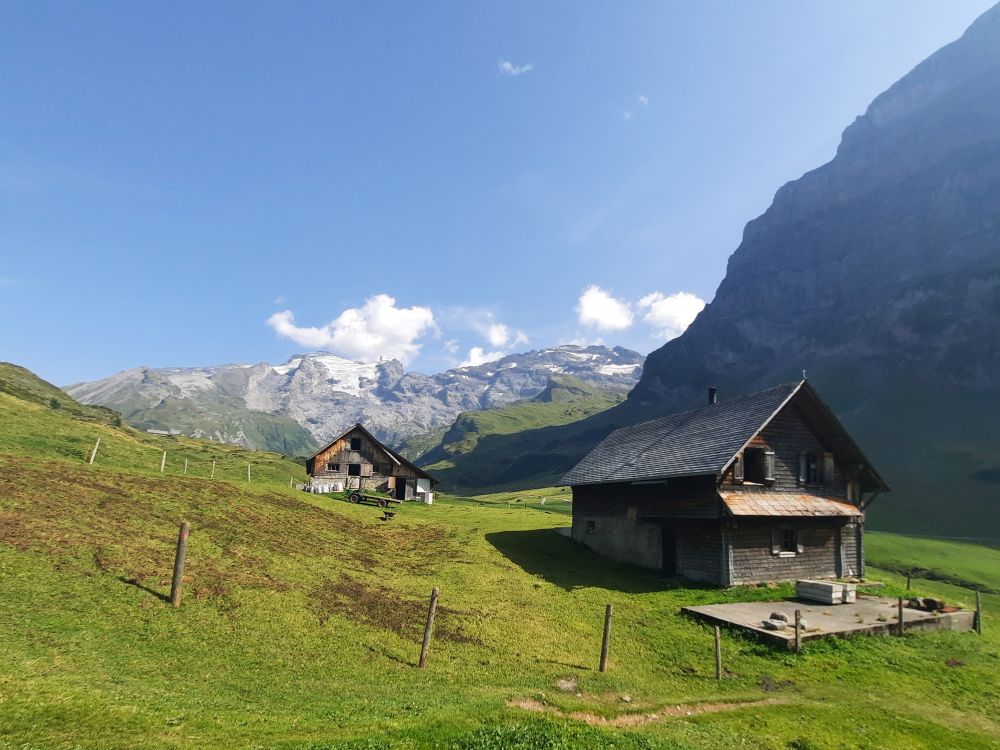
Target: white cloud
{"type": "Point", "coordinates": [627, 114]}
{"type": "Point", "coordinates": [451, 346]}
{"type": "Point", "coordinates": [376, 329]}
{"type": "Point", "coordinates": [498, 334]}
{"type": "Point", "coordinates": [670, 315]}
{"type": "Point", "coordinates": [478, 356]}
{"type": "Point", "coordinates": [643, 100]}
{"type": "Point", "coordinates": [598, 309]}
{"type": "Point", "coordinates": [507, 68]}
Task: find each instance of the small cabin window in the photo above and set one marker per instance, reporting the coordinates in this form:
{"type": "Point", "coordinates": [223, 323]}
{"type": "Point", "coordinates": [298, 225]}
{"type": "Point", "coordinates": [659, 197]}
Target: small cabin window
{"type": "Point", "coordinates": [785, 542]}
{"type": "Point", "coordinates": [758, 465]}
{"type": "Point", "coordinates": [331, 466]}
{"type": "Point", "coordinates": [355, 444]}
{"type": "Point", "coordinates": [354, 470]}
{"type": "Point", "coordinates": [788, 540]}
{"type": "Point", "coordinates": [591, 527]}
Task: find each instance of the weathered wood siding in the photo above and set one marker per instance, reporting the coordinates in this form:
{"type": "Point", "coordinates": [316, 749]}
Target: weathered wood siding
{"type": "Point", "coordinates": [379, 471]}
{"type": "Point", "coordinates": [789, 436]}
{"type": "Point", "coordinates": [700, 552]}
{"type": "Point", "coordinates": [752, 561]}
{"type": "Point", "coordinates": [685, 497]}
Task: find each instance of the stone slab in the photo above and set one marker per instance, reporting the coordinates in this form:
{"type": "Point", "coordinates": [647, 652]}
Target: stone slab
{"type": "Point", "coordinates": [825, 620]}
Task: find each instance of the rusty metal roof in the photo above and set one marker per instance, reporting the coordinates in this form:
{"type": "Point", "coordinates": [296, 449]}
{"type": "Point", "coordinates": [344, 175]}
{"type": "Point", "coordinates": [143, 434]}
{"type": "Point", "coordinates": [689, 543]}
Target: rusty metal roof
{"type": "Point", "coordinates": [793, 504]}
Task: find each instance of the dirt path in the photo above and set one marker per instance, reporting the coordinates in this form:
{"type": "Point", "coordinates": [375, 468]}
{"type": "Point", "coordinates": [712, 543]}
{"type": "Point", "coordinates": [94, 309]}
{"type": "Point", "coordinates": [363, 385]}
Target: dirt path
{"type": "Point", "coordinates": [638, 719]}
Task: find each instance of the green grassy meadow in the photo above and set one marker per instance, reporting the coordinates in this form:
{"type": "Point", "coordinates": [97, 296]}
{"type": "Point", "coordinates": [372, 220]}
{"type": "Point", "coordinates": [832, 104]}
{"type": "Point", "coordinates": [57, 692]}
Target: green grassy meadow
{"type": "Point", "coordinates": [302, 617]}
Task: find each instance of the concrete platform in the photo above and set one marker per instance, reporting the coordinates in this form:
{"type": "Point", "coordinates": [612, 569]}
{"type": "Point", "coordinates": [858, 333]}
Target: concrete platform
{"type": "Point", "coordinates": [824, 620]}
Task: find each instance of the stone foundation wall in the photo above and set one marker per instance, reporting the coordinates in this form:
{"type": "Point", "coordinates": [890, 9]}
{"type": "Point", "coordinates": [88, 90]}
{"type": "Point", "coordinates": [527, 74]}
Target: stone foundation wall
{"type": "Point", "coordinates": [621, 538]}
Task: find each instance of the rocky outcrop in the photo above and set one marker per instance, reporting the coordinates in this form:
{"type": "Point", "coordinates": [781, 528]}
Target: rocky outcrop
{"type": "Point", "coordinates": [879, 274]}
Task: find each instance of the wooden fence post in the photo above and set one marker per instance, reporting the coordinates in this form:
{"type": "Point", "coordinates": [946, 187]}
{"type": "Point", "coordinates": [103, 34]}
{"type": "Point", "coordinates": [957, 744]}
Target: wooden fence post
{"type": "Point", "coordinates": [175, 584]}
{"type": "Point", "coordinates": [185, 466]}
{"type": "Point", "coordinates": [718, 653]}
{"type": "Point", "coordinates": [93, 453]}
{"type": "Point", "coordinates": [428, 628]}
{"type": "Point", "coordinates": [289, 482]}
{"type": "Point", "coordinates": [798, 631]}
{"type": "Point", "coordinates": [163, 461]}
{"type": "Point", "coordinates": [979, 613]}
{"type": "Point", "coordinates": [248, 472]}
{"type": "Point", "coordinates": [908, 574]}
{"type": "Point", "coordinates": [606, 640]}
{"type": "Point", "coordinates": [899, 607]}
{"type": "Point", "coordinates": [213, 471]}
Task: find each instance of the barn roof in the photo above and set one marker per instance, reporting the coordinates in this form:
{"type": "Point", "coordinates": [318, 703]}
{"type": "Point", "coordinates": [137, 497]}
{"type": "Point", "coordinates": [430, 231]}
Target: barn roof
{"type": "Point", "coordinates": [706, 440]}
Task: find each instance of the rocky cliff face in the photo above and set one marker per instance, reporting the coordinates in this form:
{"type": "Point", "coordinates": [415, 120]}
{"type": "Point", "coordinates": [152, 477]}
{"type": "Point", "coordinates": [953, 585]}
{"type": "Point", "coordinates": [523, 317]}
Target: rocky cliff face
{"type": "Point", "coordinates": [325, 393]}
{"type": "Point", "coordinates": [879, 273]}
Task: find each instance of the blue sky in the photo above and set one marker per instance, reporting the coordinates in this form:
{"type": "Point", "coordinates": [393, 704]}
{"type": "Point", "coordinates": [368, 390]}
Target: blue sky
{"type": "Point", "coordinates": [192, 184]}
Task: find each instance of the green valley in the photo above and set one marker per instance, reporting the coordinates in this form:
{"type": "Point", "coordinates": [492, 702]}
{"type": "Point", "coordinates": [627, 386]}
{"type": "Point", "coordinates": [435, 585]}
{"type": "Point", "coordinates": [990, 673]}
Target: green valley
{"type": "Point", "coordinates": [302, 616]}
{"type": "Point", "coordinates": [481, 451]}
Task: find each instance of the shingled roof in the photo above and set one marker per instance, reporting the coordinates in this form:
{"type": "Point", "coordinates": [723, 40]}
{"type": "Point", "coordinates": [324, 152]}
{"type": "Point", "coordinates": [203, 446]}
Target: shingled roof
{"type": "Point", "coordinates": [697, 442]}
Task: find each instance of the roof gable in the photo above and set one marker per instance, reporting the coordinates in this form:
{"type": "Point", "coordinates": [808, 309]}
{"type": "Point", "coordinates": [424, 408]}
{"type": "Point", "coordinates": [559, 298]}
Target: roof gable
{"type": "Point", "coordinates": [707, 440]}
{"type": "Point", "coordinates": [382, 446]}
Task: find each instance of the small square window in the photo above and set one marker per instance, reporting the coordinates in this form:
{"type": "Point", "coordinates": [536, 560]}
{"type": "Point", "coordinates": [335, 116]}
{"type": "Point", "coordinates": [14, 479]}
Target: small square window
{"type": "Point", "coordinates": [354, 470]}
{"type": "Point", "coordinates": [355, 444]}
{"type": "Point", "coordinates": [789, 541]}
{"type": "Point", "coordinates": [591, 527]}
{"type": "Point", "coordinates": [332, 466]}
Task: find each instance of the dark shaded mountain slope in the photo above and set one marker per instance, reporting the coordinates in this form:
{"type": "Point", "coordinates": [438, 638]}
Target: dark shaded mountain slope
{"type": "Point", "coordinates": [879, 274]}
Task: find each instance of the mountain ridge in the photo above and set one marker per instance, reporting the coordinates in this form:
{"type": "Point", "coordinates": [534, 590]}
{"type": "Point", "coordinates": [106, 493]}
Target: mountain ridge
{"type": "Point", "coordinates": [311, 397]}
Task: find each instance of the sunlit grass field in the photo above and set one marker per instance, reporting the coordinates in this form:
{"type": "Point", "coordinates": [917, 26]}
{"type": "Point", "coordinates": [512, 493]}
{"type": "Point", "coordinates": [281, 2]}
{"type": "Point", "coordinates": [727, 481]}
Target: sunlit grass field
{"type": "Point", "coordinates": [302, 616]}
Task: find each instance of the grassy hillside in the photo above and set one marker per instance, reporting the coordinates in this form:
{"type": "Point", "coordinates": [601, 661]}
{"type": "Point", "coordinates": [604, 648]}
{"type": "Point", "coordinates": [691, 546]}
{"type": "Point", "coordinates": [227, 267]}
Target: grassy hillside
{"type": "Point", "coordinates": [32, 427]}
{"type": "Point", "coordinates": [227, 420]}
{"type": "Point", "coordinates": [302, 617]}
{"type": "Point", "coordinates": [481, 448]}
{"type": "Point", "coordinates": [28, 388]}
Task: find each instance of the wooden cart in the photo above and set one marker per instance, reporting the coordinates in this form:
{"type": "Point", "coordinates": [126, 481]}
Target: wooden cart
{"type": "Point", "coordinates": [363, 499]}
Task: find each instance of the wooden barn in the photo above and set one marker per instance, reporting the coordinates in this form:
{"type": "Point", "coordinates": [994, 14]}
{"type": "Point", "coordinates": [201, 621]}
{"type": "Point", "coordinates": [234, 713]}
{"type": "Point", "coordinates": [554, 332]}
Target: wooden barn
{"type": "Point", "coordinates": [764, 487]}
{"type": "Point", "coordinates": [356, 460]}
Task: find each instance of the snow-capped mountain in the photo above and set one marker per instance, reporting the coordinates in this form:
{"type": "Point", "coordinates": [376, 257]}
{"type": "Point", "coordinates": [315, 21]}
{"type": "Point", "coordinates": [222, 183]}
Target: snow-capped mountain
{"type": "Point", "coordinates": [325, 393]}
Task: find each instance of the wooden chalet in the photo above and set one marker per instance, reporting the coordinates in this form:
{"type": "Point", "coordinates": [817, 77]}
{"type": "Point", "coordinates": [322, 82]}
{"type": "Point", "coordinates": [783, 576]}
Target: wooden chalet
{"type": "Point", "coordinates": [357, 460]}
{"type": "Point", "coordinates": [764, 487]}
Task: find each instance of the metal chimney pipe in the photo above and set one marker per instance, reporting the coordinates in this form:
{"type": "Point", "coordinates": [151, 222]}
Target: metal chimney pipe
{"type": "Point", "coordinates": [713, 395]}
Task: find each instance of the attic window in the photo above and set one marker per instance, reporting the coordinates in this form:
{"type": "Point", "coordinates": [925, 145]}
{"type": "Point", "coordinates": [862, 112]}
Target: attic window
{"type": "Point", "coordinates": [356, 444]}
{"type": "Point", "coordinates": [808, 468]}
{"type": "Point", "coordinates": [758, 465]}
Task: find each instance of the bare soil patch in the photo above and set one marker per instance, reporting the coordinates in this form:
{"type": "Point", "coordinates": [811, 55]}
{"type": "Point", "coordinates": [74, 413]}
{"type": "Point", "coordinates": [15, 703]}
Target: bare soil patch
{"type": "Point", "coordinates": [636, 719]}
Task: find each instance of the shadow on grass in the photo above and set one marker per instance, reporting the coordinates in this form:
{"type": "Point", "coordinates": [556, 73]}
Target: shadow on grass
{"type": "Point", "coordinates": [570, 565]}
{"type": "Point", "coordinates": [142, 587]}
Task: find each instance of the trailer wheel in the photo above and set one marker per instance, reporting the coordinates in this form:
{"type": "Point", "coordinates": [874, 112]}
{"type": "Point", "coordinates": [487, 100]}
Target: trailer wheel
{"type": "Point", "coordinates": [382, 502]}
{"type": "Point", "coordinates": [355, 497]}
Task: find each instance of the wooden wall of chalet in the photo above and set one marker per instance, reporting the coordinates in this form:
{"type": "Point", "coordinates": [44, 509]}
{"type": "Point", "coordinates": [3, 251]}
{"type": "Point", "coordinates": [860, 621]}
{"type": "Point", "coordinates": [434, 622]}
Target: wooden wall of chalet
{"type": "Point", "coordinates": [789, 436]}
{"type": "Point", "coordinates": [684, 497]}
{"type": "Point", "coordinates": [378, 470]}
